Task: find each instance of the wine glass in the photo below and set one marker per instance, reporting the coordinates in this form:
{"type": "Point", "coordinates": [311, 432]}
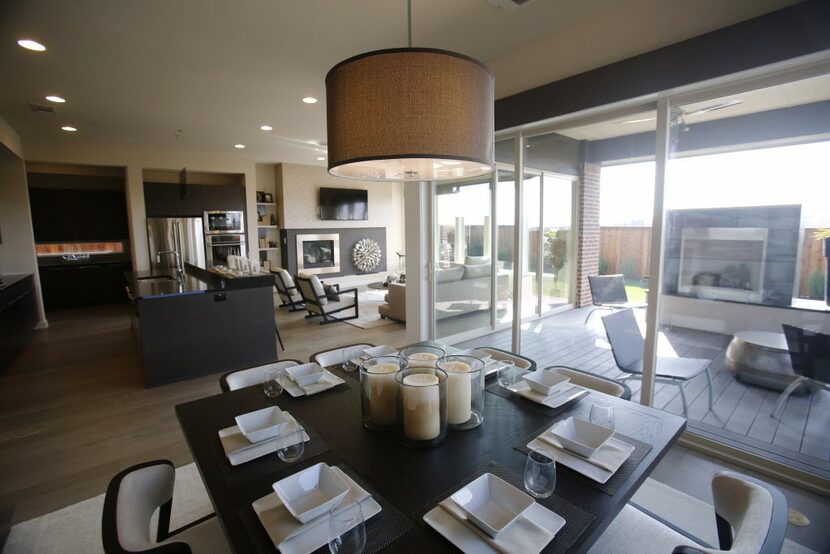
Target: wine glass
{"type": "Point", "coordinates": [292, 443]}
{"type": "Point", "coordinates": [347, 530]}
{"type": "Point", "coordinates": [507, 374]}
{"type": "Point", "coordinates": [272, 383]}
{"type": "Point", "coordinates": [602, 414]}
{"type": "Point", "coordinates": [540, 473]}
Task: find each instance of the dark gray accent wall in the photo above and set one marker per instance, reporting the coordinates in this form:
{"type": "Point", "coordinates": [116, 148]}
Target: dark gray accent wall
{"type": "Point", "coordinates": [777, 36]}
{"type": "Point", "coordinates": [782, 223]}
{"type": "Point", "coordinates": [348, 238]}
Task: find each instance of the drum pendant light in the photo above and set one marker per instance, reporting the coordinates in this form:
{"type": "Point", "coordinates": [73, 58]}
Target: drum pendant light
{"type": "Point", "coordinates": [410, 114]}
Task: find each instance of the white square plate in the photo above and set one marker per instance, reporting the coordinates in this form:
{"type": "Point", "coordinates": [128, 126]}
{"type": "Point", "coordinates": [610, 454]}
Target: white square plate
{"type": "Point", "coordinates": [310, 493]}
{"type": "Point", "coordinates": [559, 398]}
{"type": "Point", "coordinates": [292, 537]}
{"type": "Point", "coordinates": [327, 381]}
{"type": "Point", "coordinates": [262, 424]}
{"type": "Point", "coordinates": [492, 503]}
{"type": "Point", "coordinates": [239, 450]}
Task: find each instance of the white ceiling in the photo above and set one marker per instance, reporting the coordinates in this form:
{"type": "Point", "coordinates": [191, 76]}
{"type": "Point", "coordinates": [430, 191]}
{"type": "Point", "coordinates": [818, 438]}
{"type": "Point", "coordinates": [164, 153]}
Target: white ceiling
{"type": "Point", "coordinates": [138, 71]}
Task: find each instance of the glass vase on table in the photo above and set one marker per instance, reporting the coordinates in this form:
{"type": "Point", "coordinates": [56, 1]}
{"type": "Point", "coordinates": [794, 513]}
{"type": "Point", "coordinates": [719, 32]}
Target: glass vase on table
{"type": "Point", "coordinates": [347, 530]}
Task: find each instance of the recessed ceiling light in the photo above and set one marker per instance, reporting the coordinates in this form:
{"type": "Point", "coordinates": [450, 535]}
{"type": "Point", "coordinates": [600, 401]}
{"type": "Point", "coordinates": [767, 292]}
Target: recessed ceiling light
{"type": "Point", "coordinates": [30, 44]}
{"type": "Point", "coordinates": [69, 128]}
{"type": "Point", "coordinates": [240, 146]}
{"type": "Point", "coordinates": [56, 99]}
{"type": "Point", "coordinates": [266, 128]}
{"type": "Point", "coordinates": [321, 158]}
{"type": "Point", "coordinates": [310, 100]}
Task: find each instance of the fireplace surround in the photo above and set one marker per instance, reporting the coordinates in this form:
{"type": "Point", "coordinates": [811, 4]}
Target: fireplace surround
{"type": "Point", "coordinates": [319, 253]}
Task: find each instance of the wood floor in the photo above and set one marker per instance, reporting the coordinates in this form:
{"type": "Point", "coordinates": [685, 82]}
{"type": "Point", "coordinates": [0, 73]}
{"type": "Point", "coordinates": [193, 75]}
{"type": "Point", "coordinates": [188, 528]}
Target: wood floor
{"type": "Point", "coordinates": [74, 411]}
{"type": "Point", "coordinates": [741, 412]}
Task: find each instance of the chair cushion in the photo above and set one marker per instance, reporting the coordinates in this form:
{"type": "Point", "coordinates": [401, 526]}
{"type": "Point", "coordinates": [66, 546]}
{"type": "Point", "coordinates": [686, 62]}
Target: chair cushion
{"type": "Point", "coordinates": [140, 493]}
{"type": "Point", "coordinates": [316, 287]}
{"type": "Point", "coordinates": [476, 270]}
{"type": "Point", "coordinates": [634, 532]}
{"type": "Point", "coordinates": [285, 277]}
{"type": "Point", "coordinates": [447, 274]}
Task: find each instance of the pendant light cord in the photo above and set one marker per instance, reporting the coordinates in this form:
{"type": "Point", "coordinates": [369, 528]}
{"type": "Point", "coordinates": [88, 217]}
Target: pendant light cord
{"type": "Point", "coordinates": [409, 21]}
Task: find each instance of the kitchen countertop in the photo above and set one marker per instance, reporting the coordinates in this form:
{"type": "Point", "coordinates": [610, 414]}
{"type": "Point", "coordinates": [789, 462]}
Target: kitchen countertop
{"type": "Point", "coordinates": [145, 285]}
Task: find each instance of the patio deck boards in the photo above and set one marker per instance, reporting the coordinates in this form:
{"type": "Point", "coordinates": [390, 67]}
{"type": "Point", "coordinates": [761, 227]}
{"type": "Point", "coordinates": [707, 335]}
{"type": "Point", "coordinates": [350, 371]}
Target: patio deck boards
{"type": "Point", "coordinates": [740, 412]}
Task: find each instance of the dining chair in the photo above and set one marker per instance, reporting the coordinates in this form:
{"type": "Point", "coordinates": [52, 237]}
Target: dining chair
{"type": "Point", "coordinates": [250, 376]}
{"type": "Point", "coordinates": [287, 290]}
{"type": "Point", "coordinates": [133, 496]}
{"type": "Point", "coordinates": [594, 382]}
{"type": "Point", "coordinates": [750, 518]}
{"type": "Point", "coordinates": [810, 358]}
{"type": "Point", "coordinates": [627, 346]}
{"type": "Point", "coordinates": [608, 293]}
{"type": "Point", "coordinates": [339, 355]}
{"type": "Point", "coordinates": [319, 303]}
{"type": "Point", "coordinates": [522, 362]}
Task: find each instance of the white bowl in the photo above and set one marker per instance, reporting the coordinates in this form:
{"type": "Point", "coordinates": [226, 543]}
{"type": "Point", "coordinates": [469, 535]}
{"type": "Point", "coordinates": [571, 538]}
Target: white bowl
{"type": "Point", "coordinates": [378, 351]}
{"type": "Point", "coordinates": [491, 503]}
{"type": "Point", "coordinates": [310, 493]}
{"type": "Point", "coordinates": [262, 424]}
{"type": "Point", "coordinates": [546, 382]}
{"type": "Point", "coordinates": [305, 374]}
{"type": "Point", "coordinates": [580, 436]}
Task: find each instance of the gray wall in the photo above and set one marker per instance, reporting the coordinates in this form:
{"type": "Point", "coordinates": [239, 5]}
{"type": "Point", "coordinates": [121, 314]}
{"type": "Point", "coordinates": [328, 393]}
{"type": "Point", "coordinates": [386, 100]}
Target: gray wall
{"type": "Point", "coordinates": [348, 238]}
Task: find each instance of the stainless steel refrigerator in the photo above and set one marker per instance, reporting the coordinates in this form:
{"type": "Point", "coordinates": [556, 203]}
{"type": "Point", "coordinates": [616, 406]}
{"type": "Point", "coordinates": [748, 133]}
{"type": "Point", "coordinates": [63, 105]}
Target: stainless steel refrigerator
{"type": "Point", "coordinates": [183, 235]}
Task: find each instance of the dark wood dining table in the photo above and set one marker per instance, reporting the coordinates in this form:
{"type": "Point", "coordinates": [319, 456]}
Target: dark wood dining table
{"type": "Point", "coordinates": [407, 479]}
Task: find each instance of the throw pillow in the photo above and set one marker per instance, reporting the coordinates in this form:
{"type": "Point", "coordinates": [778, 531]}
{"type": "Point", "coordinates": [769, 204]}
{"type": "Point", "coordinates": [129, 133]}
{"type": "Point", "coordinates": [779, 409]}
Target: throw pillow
{"type": "Point", "coordinates": [476, 260]}
{"type": "Point", "coordinates": [332, 292]}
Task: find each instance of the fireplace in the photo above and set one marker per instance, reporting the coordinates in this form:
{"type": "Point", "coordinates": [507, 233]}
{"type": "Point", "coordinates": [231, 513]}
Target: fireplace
{"type": "Point", "coordinates": [723, 263]}
{"type": "Point", "coordinates": [318, 253]}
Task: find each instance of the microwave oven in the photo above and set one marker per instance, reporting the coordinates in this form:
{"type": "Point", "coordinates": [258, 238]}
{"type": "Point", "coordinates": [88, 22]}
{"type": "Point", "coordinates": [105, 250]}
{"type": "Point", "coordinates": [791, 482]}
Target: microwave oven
{"type": "Point", "coordinates": [220, 222]}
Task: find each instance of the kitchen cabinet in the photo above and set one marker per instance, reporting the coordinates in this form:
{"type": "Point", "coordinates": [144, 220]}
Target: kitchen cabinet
{"type": "Point", "coordinates": [223, 197]}
{"type": "Point", "coordinates": [69, 215]}
{"type": "Point", "coordinates": [74, 286]}
{"type": "Point", "coordinates": [167, 200]}
{"type": "Point", "coordinates": [18, 315]}
{"type": "Point", "coordinates": [161, 199]}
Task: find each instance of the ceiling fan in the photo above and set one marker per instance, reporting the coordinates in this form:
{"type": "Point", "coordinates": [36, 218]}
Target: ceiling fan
{"type": "Point", "coordinates": [678, 115]}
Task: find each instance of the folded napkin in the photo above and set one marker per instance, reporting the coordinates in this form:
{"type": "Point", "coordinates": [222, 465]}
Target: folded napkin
{"type": "Point", "coordinates": [522, 535]}
{"type": "Point", "coordinates": [610, 456]}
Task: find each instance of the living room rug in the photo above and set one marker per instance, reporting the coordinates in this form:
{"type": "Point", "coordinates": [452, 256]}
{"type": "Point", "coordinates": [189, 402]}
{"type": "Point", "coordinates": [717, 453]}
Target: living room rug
{"type": "Point", "coordinates": [77, 528]}
{"type": "Point", "coordinates": [368, 303]}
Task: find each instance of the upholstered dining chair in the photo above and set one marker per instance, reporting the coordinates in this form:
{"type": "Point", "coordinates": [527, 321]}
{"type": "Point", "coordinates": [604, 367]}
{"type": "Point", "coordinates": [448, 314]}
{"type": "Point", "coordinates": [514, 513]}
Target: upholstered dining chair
{"type": "Point", "coordinates": [750, 517]}
{"type": "Point", "coordinates": [339, 355]}
{"type": "Point", "coordinates": [250, 376]}
{"type": "Point", "coordinates": [322, 303]}
{"type": "Point", "coordinates": [595, 382]}
{"type": "Point", "coordinates": [627, 346]}
{"type": "Point", "coordinates": [131, 499]}
{"type": "Point", "coordinates": [608, 293]}
{"type": "Point", "coordinates": [287, 289]}
{"type": "Point", "coordinates": [810, 358]}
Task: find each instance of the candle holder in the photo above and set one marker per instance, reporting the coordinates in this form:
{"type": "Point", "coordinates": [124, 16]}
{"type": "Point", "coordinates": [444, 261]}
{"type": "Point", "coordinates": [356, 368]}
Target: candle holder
{"type": "Point", "coordinates": [465, 391]}
{"type": "Point", "coordinates": [422, 406]}
{"type": "Point", "coordinates": [379, 391]}
{"type": "Point", "coordinates": [422, 356]}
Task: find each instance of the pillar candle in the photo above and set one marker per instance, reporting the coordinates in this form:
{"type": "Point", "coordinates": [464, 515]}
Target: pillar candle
{"type": "Point", "coordinates": [459, 395]}
{"type": "Point", "coordinates": [421, 407]}
{"type": "Point", "coordinates": [383, 393]}
{"type": "Point", "coordinates": [422, 359]}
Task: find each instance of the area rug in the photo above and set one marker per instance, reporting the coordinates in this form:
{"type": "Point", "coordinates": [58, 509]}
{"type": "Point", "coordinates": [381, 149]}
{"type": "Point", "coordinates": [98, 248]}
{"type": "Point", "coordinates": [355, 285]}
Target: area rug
{"type": "Point", "coordinates": [368, 303]}
{"type": "Point", "coordinates": [686, 512]}
{"type": "Point", "coordinates": [77, 528]}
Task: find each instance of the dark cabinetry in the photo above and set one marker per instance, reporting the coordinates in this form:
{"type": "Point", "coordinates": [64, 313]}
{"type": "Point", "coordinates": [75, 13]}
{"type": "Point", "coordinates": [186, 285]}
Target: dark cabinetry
{"type": "Point", "coordinates": [68, 215]}
{"type": "Point", "coordinates": [74, 286]}
{"type": "Point", "coordinates": [172, 200]}
{"type": "Point", "coordinates": [18, 316]}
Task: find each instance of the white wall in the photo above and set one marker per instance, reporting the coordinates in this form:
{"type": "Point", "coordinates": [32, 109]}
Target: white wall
{"type": "Point", "coordinates": [17, 250]}
{"type": "Point", "coordinates": [137, 158]}
{"type": "Point", "coordinates": [298, 194]}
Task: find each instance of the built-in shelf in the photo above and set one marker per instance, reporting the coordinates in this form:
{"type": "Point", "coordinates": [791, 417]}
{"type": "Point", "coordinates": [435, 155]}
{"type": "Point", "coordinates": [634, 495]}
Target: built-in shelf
{"type": "Point", "coordinates": [266, 203]}
{"type": "Point", "coordinates": [266, 226]}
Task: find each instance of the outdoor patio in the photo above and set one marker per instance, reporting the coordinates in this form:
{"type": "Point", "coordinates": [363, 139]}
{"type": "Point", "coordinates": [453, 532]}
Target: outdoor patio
{"type": "Point", "coordinates": [741, 412]}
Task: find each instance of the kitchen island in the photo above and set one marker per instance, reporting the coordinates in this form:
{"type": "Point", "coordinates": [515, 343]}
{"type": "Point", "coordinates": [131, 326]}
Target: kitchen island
{"type": "Point", "coordinates": [201, 323]}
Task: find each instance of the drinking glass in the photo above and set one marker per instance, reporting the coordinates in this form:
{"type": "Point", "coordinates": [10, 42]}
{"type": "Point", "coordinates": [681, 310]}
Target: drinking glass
{"type": "Point", "coordinates": [602, 414]}
{"type": "Point", "coordinates": [347, 531]}
{"type": "Point", "coordinates": [272, 382]}
{"type": "Point", "coordinates": [540, 473]}
{"type": "Point", "coordinates": [507, 374]}
{"type": "Point", "coordinates": [346, 364]}
{"type": "Point", "coordinates": [292, 443]}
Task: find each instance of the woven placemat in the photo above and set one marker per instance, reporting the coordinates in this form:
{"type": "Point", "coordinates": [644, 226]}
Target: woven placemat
{"type": "Point", "coordinates": [340, 372]}
{"type": "Point", "coordinates": [577, 520]}
{"type": "Point", "coordinates": [613, 484]}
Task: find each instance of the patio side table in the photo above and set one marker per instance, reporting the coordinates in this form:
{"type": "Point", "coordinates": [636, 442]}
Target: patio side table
{"type": "Point", "coordinates": [760, 358]}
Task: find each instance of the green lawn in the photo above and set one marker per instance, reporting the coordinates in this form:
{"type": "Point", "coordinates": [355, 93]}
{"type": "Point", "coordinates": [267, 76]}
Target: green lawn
{"type": "Point", "coordinates": [634, 288]}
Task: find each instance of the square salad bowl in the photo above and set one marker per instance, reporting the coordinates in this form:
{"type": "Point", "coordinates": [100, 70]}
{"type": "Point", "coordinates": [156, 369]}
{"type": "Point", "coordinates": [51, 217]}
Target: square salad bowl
{"type": "Point", "coordinates": [305, 374]}
{"type": "Point", "coordinates": [492, 503]}
{"type": "Point", "coordinates": [263, 424]}
{"type": "Point", "coordinates": [580, 436]}
{"type": "Point", "coordinates": [312, 492]}
{"type": "Point", "coordinates": [546, 382]}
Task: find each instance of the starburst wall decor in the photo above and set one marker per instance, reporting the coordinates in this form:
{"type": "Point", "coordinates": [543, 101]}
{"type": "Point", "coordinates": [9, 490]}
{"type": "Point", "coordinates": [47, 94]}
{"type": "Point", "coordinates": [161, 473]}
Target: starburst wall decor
{"type": "Point", "coordinates": [366, 255]}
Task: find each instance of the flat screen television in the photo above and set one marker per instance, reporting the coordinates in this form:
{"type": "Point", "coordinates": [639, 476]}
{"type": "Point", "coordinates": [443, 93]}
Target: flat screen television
{"type": "Point", "coordinates": [344, 204]}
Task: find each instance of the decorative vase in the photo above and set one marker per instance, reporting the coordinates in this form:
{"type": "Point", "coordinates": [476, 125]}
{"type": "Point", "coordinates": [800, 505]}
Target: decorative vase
{"type": "Point", "coordinates": [422, 406]}
{"type": "Point", "coordinates": [379, 391]}
{"type": "Point", "coordinates": [465, 391]}
{"type": "Point", "coordinates": [422, 356]}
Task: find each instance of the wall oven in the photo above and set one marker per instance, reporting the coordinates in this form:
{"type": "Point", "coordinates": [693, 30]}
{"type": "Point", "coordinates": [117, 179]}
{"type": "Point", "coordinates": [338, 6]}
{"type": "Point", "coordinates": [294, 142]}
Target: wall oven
{"type": "Point", "coordinates": [221, 222]}
{"type": "Point", "coordinates": [219, 247]}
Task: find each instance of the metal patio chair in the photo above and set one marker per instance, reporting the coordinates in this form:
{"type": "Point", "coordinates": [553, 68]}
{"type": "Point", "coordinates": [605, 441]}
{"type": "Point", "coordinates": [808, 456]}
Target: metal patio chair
{"type": "Point", "coordinates": [608, 293]}
{"type": "Point", "coordinates": [810, 356]}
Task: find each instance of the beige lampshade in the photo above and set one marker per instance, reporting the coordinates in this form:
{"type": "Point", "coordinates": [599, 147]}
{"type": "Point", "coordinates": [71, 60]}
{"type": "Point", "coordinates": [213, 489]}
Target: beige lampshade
{"type": "Point", "coordinates": [410, 114]}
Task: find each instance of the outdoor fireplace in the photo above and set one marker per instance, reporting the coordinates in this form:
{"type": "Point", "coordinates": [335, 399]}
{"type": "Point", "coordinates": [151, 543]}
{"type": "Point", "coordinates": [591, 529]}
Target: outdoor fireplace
{"type": "Point", "coordinates": [723, 263]}
{"type": "Point", "coordinates": [318, 253]}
